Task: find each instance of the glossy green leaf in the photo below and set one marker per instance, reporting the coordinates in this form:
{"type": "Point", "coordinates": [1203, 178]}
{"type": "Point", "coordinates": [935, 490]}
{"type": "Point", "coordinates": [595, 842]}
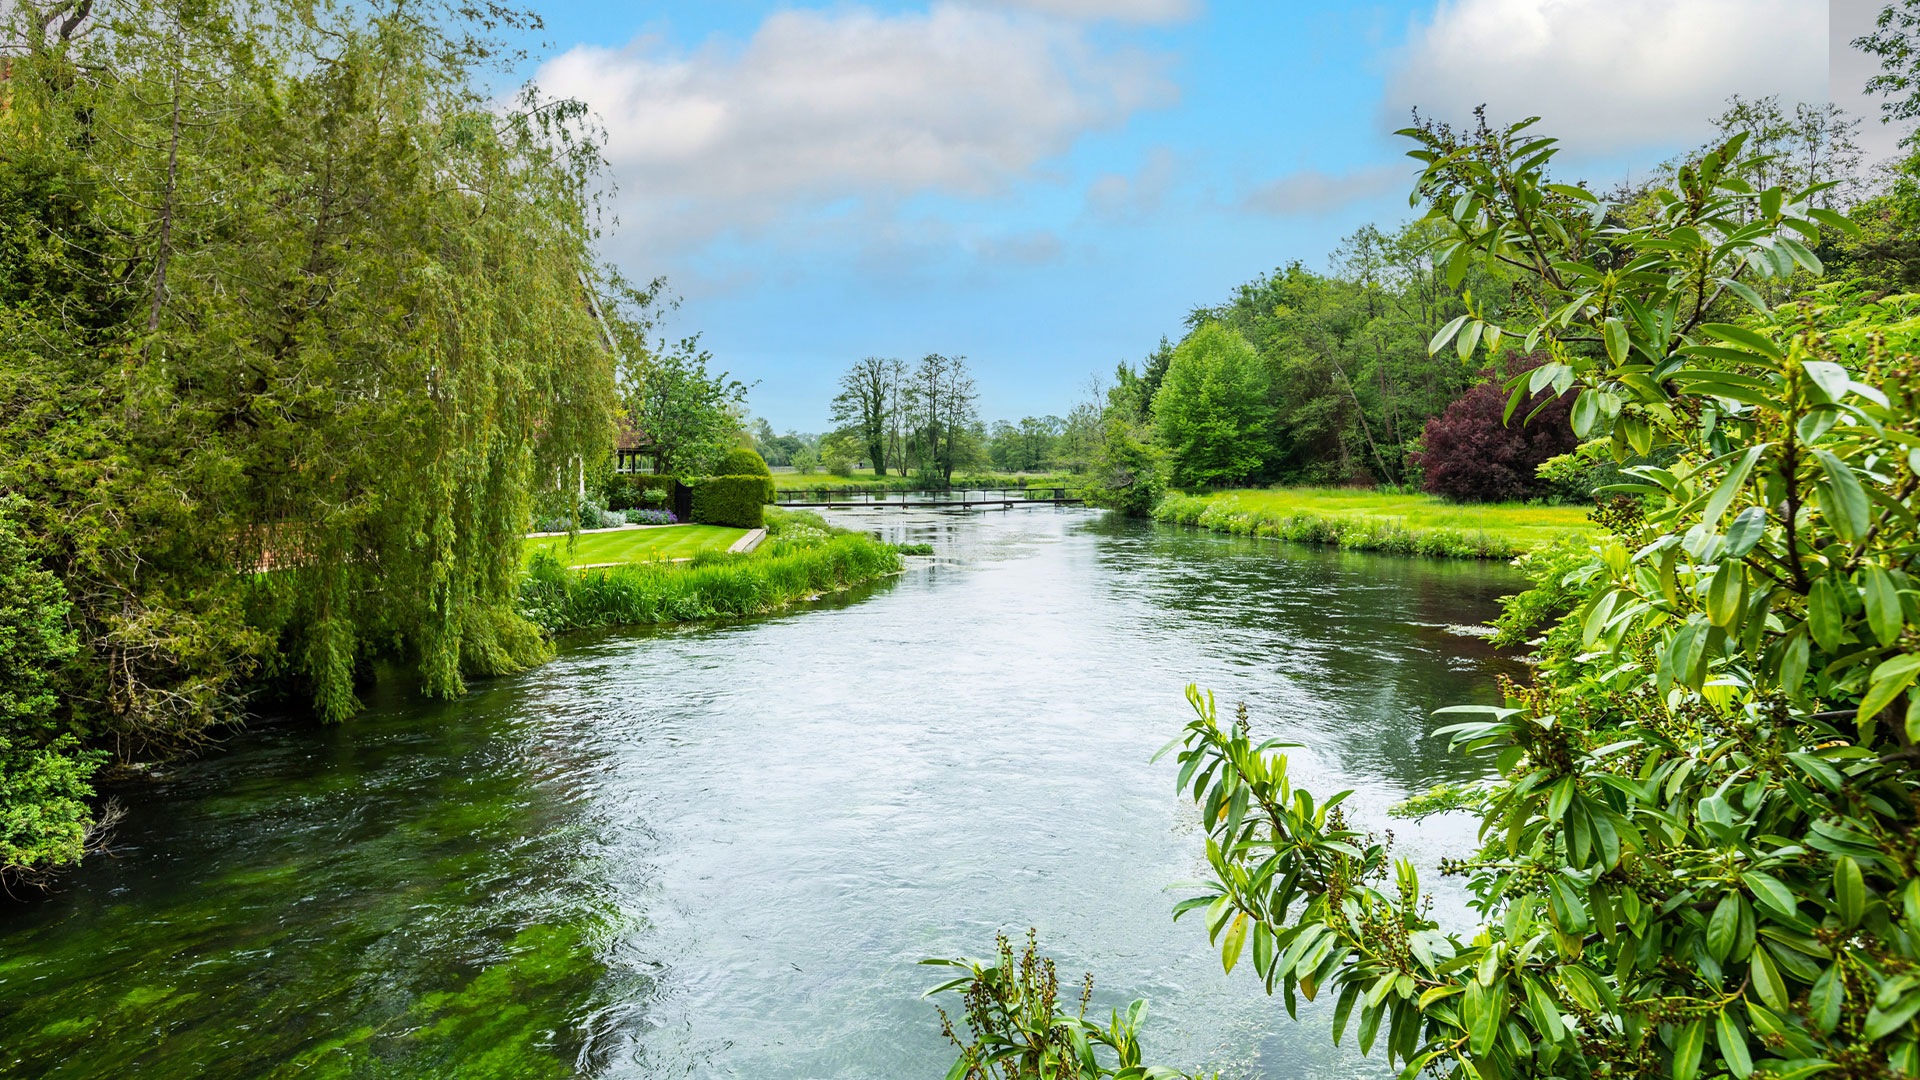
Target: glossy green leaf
{"type": "Point", "coordinates": [1766, 980]}
{"type": "Point", "coordinates": [1688, 1041]}
{"type": "Point", "coordinates": [1823, 614]}
{"type": "Point", "coordinates": [1616, 340]}
{"type": "Point", "coordinates": [1845, 500]}
{"type": "Point", "coordinates": [1883, 604]}
{"type": "Point", "coordinates": [1730, 485]}
{"type": "Point", "coordinates": [1849, 891]}
{"type": "Point", "coordinates": [1722, 926]}
{"type": "Point", "coordinates": [1732, 1038]}
{"type": "Point", "coordinates": [1827, 998]}
{"type": "Point", "coordinates": [1445, 334]}
{"type": "Point", "coordinates": [1745, 531]}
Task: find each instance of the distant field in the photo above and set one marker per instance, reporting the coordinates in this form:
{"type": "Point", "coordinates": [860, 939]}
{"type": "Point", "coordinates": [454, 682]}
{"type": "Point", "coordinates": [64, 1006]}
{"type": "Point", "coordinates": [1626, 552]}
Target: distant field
{"type": "Point", "coordinates": [636, 545]}
{"type": "Point", "coordinates": [1412, 524]}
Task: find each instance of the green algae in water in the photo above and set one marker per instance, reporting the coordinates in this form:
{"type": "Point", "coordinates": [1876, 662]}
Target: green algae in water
{"type": "Point", "coordinates": [456, 935]}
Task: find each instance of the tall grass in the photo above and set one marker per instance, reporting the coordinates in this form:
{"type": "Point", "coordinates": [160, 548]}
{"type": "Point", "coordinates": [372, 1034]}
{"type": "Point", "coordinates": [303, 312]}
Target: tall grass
{"type": "Point", "coordinates": [1333, 519]}
{"type": "Point", "coordinates": [714, 585]}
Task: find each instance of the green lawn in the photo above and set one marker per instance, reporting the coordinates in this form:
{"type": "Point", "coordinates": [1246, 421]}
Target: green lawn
{"type": "Point", "coordinates": [1413, 524]}
{"type": "Point", "coordinates": [636, 545]}
{"type": "Point", "coordinates": [1520, 521]}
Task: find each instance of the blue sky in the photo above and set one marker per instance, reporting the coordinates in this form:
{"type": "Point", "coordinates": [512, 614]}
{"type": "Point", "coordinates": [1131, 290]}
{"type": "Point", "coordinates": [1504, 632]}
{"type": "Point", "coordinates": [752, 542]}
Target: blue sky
{"type": "Point", "coordinates": [1048, 186]}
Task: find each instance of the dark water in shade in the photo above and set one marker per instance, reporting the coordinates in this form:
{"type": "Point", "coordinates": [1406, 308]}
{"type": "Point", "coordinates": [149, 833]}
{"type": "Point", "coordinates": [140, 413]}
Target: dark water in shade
{"type": "Point", "coordinates": [719, 851]}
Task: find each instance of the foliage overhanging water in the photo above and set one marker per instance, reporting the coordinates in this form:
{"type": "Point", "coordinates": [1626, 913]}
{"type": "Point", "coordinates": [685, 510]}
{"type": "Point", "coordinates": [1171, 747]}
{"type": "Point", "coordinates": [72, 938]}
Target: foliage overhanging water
{"type": "Point", "coordinates": [719, 851]}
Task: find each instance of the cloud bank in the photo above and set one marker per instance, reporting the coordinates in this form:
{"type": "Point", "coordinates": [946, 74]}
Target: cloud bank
{"type": "Point", "coordinates": [1310, 191]}
{"type": "Point", "coordinates": [822, 109]}
{"type": "Point", "coordinates": [1609, 75]}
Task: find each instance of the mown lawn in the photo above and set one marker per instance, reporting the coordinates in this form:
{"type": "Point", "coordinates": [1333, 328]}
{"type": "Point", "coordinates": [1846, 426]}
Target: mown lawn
{"type": "Point", "coordinates": [636, 545]}
{"type": "Point", "coordinates": [1371, 520]}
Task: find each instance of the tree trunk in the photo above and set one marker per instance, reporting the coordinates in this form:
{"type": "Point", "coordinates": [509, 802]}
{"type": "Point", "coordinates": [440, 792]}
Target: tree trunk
{"type": "Point", "coordinates": [165, 249]}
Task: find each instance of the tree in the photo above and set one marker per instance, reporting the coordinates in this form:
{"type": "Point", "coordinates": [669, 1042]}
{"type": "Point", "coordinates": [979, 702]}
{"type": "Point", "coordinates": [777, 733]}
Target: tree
{"type": "Point", "coordinates": [1211, 411]}
{"type": "Point", "coordinates": [311, 302]}
{"type": "Point", "coordinates": [902, 401]}
{"type": "Point", "coordinates": [774, 449]}
{"type": "Point", "coordinates": [864, 403]}
{"type": "Point", "coordinates": [1080, 434]}
{"type": "Point", "coordinates": [942, 405]}
{"type": "Point", "coordinates": [1896, 41]}
{"type": "Point", "coordinates": [693, 417]}
{"type": "Point", "coordinates": [1038, 436]}
{"type": "Point", "coordinates": [840, 452]}
{"type": "Point", "coordinates": [1126, 468]}
{"type": "Point", "coordinates": [1474, 453]}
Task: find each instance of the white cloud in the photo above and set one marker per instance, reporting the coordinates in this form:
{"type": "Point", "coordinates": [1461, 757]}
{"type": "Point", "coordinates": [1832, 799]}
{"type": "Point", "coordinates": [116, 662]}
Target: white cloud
{"type": "Point", "coordinates": [819, 109]}
{"type": "Point", "coordinates": [1140, 11]}
{"type": "Point", "coordinates": [1033, 247]}
{"type": "Point", "coordinates": [1311, 191]}
{"type": "Point", "coordinates": [1119, 197]}
{"type": "Point", "coordinates": [1607, 75]}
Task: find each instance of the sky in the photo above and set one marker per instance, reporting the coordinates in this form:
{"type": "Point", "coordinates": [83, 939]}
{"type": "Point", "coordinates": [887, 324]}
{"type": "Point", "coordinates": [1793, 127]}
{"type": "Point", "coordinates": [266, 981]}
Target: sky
{"type": "Point", "coordinates": [1048, 186]}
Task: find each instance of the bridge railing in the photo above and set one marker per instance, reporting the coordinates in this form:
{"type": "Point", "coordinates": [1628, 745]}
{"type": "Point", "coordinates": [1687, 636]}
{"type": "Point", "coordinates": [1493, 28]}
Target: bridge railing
{"type": "Point", "coordinates": [897, 497]}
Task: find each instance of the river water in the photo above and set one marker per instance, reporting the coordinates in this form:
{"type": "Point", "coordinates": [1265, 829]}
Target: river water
{"type": "Point", "coordinates": [719, 851]}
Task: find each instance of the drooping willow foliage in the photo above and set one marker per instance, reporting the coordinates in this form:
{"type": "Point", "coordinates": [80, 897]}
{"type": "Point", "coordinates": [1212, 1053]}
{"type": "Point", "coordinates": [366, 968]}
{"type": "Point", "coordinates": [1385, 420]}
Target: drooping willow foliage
{"type": "Point", "coordinates": [294, 320]}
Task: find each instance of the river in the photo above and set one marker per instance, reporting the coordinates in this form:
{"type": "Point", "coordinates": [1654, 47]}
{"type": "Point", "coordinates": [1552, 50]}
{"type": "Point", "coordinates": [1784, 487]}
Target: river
{"type": "Point", "coordinates": [719, 851]}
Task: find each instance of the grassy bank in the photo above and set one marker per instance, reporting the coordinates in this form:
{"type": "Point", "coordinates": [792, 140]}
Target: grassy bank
{"type": "Point", "coordinates": [635, 545]}
{"type": "Point", "coordinates": [804, 557]}
{"type": "Point", "coordinates": [1372, 521]}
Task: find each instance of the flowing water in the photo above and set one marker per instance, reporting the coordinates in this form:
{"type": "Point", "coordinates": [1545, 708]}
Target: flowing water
{"type": "Point", "coordinates": [719, 851]}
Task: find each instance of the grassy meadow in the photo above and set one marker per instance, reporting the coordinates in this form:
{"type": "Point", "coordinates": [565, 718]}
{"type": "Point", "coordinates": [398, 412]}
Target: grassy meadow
{"type": "Point", "coordinates": [1414, 524]}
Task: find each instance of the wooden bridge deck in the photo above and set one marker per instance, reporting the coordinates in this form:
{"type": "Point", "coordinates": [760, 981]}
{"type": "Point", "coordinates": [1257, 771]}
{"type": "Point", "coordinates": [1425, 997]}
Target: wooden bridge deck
{"type": "Point", "coordinates": [956, 499]}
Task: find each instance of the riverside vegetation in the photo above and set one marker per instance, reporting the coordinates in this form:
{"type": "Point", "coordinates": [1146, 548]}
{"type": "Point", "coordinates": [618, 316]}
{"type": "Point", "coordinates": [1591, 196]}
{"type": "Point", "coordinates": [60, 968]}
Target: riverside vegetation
{"type": "Point", "coordinates": [300, 327]}
{"type": "Point", "coordinates": [802, 556]}
{"type": "Point", "coordinates": [1696, 832]}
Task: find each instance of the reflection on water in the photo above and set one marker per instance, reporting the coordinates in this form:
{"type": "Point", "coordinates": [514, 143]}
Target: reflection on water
{"type": "Point", "coordinates": [719, 851]}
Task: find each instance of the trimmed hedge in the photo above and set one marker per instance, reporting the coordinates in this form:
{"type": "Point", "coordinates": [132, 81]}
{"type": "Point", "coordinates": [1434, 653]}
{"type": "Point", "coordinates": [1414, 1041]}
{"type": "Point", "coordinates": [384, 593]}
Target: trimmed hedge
{"type": "Point", "coordinates": [742, 462]}
{"type": "Point", "coordinates": [738, 501]}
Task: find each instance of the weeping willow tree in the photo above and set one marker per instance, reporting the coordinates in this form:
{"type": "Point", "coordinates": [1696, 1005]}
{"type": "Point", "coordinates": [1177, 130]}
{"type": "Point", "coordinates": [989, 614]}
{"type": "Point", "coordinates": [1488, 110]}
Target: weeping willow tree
{"type": "Point", "coordinates": [294, 321]}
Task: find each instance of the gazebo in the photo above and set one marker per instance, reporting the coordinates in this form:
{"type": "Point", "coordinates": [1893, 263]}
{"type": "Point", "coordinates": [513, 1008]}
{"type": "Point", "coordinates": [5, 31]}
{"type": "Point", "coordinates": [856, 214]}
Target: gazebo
{"type": "Point", "coordinates": [633, 450]}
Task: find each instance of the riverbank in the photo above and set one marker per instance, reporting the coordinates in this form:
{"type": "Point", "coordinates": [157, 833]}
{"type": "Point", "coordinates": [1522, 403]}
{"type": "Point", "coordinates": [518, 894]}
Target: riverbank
{"type": "Point", "coordinates": [1373, 521]}
{"type": "Point", "coordinates": [803, 557]}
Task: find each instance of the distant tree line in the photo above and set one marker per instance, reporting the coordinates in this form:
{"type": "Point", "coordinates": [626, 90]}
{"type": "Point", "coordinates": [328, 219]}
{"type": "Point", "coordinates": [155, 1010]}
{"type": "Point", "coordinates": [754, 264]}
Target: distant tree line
{"type": "Point", "coordinates": [1367, 374]}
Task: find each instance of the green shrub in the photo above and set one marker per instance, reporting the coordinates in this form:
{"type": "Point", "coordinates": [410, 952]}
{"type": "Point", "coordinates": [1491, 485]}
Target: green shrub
{"type": "Point", "coordinates": [738, 501]}
{"type": "Point", "coordinates": [639, 491]}
{"type": "Point", "coordinates": [1577, 475]}
{"type": "Point", "coordinates": [742, 462]}
{"type": "Point", "coordinates": [43, 774]}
